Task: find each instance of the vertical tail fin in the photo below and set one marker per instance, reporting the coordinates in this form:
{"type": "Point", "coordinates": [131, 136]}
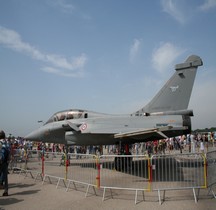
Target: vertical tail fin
{"type": "Point", "coordinates": [175, 94]}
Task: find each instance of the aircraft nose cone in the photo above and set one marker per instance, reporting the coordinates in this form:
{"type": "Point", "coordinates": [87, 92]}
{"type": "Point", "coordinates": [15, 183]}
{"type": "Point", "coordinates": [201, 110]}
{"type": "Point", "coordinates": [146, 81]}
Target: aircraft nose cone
{"type": "Point", "coordinates": [34, 136]}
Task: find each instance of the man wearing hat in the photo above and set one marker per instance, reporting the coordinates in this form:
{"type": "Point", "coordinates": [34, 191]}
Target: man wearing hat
{"type": "Point", "coordinates": [4, 156]}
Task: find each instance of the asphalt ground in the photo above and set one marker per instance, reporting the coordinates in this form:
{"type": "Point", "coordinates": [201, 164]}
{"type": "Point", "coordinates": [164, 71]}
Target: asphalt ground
{"type": "Point", "coordinates": [26, 193]}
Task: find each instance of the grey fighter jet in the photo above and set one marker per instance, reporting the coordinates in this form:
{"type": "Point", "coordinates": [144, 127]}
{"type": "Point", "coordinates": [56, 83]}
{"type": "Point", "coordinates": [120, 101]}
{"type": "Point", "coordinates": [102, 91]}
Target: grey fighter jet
{"type": "Point", "coordinates": [166, 115]}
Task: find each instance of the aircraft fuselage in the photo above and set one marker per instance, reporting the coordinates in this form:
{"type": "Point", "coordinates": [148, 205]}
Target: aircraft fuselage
{"type": "Point", "coordinates": [101, 130]}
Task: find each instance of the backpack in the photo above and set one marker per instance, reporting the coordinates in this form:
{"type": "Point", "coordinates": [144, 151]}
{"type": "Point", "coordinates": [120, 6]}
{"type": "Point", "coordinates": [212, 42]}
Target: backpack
{"type": "Point", "coordinates": [6, 153]}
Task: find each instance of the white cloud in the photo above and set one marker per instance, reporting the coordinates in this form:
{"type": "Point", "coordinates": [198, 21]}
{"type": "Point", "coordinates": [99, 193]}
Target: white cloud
{"type": "Point", "coordinates": [134, 50]}
{"type": "Point", "coordinates": [165, 55]}
{"type": "Point", "coordinates": [170, 7]}
{"type": "Point", "coordinates": [61, 72]}
{"type": "Point", "coordinates": [208, 4]}
{"type": "Point", "coordinates": [68, 8]}
{"type": "Point", "coordinates": [62, 5]}
{"type": "Point", "coordinates": [12, 40]}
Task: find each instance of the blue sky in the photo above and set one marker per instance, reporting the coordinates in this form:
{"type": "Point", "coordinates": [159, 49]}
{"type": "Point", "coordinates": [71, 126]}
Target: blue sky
{"type": "Point", "coordinates": [110, 56]}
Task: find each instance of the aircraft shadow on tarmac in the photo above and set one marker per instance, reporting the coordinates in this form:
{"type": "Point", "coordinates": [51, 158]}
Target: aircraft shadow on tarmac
{"type": "Point", "coordinates": [163, 170]}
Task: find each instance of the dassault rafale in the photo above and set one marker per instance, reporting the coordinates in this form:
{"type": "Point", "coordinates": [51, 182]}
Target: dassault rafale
{"type": "Point", "coordinates": [166, 115]}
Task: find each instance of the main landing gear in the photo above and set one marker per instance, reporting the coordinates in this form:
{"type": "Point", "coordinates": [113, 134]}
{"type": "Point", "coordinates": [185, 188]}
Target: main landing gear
{"type": "Point", "coordinates": [124, 163]}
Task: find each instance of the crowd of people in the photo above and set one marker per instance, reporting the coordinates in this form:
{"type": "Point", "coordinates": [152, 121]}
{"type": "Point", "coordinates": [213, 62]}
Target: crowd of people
{"type": "Point", "coordinates": [190, 143]}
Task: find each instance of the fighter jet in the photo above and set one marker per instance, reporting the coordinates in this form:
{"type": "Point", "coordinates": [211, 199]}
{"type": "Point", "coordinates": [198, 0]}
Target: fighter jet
{"type": "Point", "coordinates": [166, 115]}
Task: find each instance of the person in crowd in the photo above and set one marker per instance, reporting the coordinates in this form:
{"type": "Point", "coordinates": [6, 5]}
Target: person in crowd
{"type": "Point", "coordinates": [4, 160]}
{"type": "Point", "coordinates": [202, 148]}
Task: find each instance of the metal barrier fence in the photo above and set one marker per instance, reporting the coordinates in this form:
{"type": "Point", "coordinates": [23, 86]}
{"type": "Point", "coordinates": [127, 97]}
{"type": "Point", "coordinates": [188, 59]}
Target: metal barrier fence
{"type": "Point", "coordinates": [125, 172]}
{"type": "Point", "coordinates": [137, 173]}
{"type": "Point", "coordinates": [82, 170]}
{"type": "Point", "coordinates": [180, 171]}
{"type": "Point", "coordinates": [211, 173]}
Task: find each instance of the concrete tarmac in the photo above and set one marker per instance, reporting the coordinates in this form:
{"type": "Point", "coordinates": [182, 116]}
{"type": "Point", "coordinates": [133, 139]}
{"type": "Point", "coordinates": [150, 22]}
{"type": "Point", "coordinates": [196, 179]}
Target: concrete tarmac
{"type": "Point", "coordinates": [25, 193]}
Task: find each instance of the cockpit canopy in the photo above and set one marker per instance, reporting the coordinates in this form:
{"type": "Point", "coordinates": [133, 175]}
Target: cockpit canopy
{"type": "Point", "coordinates": [67, 115]}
